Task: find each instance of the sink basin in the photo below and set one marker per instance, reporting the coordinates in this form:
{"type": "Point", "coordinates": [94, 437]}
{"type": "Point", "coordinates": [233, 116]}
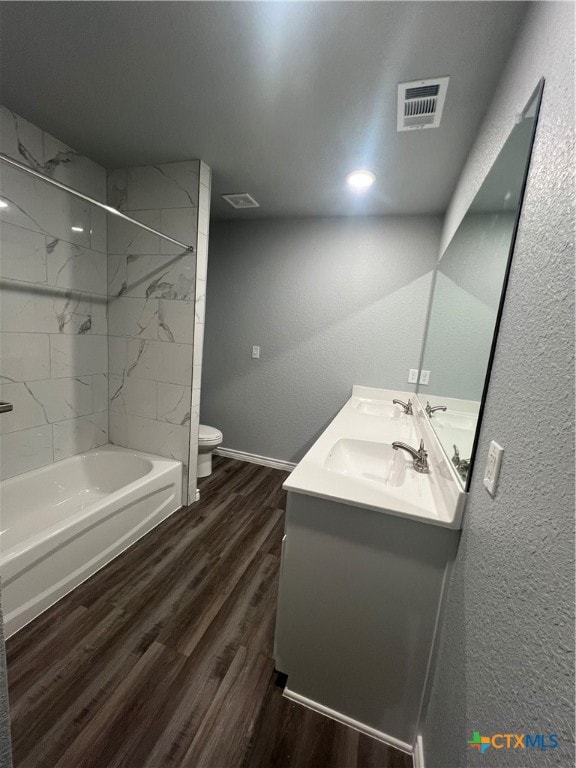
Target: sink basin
{"type": "Point", "coordinates": [461, 438]}
{"type": "Point", "coordinates": [367, 460]}
{"type": "Point", "coordinates": [377, 408]}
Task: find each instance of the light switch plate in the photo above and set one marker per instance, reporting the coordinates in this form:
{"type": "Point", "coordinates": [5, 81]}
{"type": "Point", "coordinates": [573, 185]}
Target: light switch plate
{"type": "Point", "coordinates": [256, 353]}
{"type": "Point", "coordinates": [492, 470]}
{"type": "Point", "coordinates": [424, 377]}
{"type": "Point", "coordinates": [413, 376]}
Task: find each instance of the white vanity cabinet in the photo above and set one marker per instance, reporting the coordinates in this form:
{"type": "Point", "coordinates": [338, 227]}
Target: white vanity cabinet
{"type": "Point", "coordinates": [358, 604]}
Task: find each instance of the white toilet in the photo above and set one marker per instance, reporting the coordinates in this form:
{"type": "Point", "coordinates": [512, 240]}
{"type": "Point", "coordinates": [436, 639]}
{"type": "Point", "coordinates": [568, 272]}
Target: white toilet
{"type": "Point", "coordinates": [209, 438]}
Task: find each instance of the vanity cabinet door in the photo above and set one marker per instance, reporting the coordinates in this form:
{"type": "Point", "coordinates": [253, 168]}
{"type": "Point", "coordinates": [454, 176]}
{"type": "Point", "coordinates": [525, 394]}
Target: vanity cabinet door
{"type": "Point", "coordinates": [358, 599]}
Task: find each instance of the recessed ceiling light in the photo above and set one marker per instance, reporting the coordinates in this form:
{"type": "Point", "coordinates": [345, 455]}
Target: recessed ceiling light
{"type": "Point", "coordinates": [3, 204]}
{"type": "Point", "coordinates": [361, 179]}
{"type": "Point", "coordinates": [77, 229]}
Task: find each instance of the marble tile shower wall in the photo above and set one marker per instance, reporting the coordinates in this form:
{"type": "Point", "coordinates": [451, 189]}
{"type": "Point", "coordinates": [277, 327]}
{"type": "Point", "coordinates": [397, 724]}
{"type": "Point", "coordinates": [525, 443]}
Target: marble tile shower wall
{"type": "Point", "coordinates": [101, 323]}
{"type": "Point", "coordinates": [151, 311]}
{"type": "Point", "coordinates": [53, 321]}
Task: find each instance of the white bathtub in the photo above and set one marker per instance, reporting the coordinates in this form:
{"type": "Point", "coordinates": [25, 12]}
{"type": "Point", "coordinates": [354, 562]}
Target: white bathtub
{"type": "Point", "coordinates": [62, 523]}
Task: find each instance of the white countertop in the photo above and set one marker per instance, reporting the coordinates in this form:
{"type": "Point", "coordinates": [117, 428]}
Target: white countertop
{"type": "Point", "coordinates": [435, 498]}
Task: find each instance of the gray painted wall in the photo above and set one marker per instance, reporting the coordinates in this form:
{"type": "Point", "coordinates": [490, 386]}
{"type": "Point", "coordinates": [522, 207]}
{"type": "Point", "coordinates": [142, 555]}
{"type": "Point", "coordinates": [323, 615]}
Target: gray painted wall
{"type": "Point", "coordinates": [465, 304]}
{"type": "Point", "coordinates": [505, 661]}
{"type": "Point", "coordinates": [332, 302]}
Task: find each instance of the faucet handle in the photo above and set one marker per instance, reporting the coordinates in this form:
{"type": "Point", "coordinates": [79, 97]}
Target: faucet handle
{"type": "Point", "coordinates": [421, 463]}
{"type": "Point", "coordinates": [456, 457]}
{"type": "Point", "coordinates": [461, 465]}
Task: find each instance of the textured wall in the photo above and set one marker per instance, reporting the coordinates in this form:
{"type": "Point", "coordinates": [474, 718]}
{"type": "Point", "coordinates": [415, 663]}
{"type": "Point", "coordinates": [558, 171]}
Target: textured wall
{"type": "Point", "coordinates": [151, 309]}
{"type": "Point", "coordinates": [53, 341]}
{"type": "Point", "coordinates": [506, 655]}
{"type": "Point", "coordinates": [331, 302]}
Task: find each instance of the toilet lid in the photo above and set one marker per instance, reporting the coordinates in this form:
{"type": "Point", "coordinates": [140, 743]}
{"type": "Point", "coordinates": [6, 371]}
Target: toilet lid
{"type": "Point", "coordinates": [209, 433]}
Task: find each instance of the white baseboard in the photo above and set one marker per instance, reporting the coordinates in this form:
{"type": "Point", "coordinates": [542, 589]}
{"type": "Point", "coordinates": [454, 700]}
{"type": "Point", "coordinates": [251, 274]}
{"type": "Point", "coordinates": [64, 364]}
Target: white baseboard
{"type": "Point", "coordinates": [418, 755]}
{"type": "Point", "coordinates": [350, 722]}
{"type": "Point", "coordinates": [253, 458]}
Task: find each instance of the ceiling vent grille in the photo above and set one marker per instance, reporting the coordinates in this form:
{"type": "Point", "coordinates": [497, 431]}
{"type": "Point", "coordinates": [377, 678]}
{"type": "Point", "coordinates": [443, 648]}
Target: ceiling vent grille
{"type": "Point", "coordinates": [420, 103]}
{"type": "Point", "coordinates": [241, 200]}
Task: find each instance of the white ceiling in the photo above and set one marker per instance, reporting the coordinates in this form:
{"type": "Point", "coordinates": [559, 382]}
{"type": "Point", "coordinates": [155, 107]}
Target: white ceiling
{"type": "Point", "coordinates": [280, 99]}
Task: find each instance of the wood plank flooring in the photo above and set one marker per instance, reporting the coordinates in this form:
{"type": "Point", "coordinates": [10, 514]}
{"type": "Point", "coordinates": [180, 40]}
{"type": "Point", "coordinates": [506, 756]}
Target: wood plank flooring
{"type": "Point", "coordinates": [164, 658]}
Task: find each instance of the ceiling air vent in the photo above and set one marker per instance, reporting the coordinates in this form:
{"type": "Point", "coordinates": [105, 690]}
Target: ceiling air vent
{"type": "Point", "coordinates": [420, 103]}
{"type": "Point", "coordinates": [241, 200]}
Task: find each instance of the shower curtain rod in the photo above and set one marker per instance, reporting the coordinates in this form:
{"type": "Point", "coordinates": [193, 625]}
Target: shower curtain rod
{"type": "Point", "coordinates": [97, 203]}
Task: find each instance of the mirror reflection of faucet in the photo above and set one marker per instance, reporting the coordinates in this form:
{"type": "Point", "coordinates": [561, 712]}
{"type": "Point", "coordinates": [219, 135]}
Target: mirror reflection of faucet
{"type": "Point", "coordinates": [456, 457]}
{"type": "Point", "coordinates": [406, 406]}
{"type": "Point", "coordinates": [430, 410]}
{"type": "Point", "coordinates": [462, 465]}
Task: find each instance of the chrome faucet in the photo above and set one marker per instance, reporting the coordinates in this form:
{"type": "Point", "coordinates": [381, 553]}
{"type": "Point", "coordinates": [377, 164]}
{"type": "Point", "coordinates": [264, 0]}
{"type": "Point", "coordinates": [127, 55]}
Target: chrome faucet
{"type": "Point", "coordinates": [456, 457]}
{"type": "Point", "coordinates": [430, 410]}
{"type": "Point", "coordinates": [419, 455]}
{"type": "Point", "coordinates": [407, 406]}
{"type": "Point", "coordinates": [462, 466]}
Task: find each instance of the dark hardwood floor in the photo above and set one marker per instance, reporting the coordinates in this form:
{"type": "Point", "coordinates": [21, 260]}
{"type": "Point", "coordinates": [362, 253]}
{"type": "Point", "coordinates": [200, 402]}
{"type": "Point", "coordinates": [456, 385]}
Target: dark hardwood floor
{"type": "Point", "coordinates": [164, 657]}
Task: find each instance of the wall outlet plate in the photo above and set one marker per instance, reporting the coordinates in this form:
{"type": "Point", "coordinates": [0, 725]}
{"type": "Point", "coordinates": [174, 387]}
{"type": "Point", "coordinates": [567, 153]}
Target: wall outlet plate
{"type": "Point", "coordinates": [413, 376]}
{"type": "Point", "coordinates": [256, 353]}
{"type": "Point", "coordinates": [424, 377]}
{"type": "Point", "coordinates": [493, 464]}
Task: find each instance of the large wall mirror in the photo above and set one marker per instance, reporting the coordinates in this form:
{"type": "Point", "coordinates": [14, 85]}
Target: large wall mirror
{"type": "Point", "coordinates": [467, 299]}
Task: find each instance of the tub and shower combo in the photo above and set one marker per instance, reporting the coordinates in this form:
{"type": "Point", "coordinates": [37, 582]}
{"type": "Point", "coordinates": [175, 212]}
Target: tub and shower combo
{"type": "Point", "coordinates": [62, 523]}
{"type": "Point", "coordinates": [63, 520]}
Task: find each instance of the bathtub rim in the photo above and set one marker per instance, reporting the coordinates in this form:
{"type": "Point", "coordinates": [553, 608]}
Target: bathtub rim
{"type": "Point", "coordinates": [44, 541]}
